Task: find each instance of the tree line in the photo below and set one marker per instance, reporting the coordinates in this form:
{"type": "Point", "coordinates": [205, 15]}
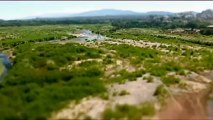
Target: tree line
{"type": "Point", "coordinates": [120, 22]}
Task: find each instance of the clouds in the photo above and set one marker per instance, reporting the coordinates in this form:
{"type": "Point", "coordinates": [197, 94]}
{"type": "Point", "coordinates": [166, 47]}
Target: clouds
{"type": "Point", "coordinates": [21, 9]}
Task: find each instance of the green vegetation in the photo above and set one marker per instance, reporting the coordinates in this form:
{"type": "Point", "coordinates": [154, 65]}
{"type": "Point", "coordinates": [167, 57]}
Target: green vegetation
{"type": "Point", "coordinates": [127, 76]}
{"type": "Point", "coordinates": [161, 92]}
{"type": "Point", "coordinates": [183, 20]}
{"type": "Point", "coordinates": [208, 31]}
{"type": "Point", "coordinates": [39, 85]}
{"type": "Point", "coordinates": [123, 92]}
{"type": "Point", "coordinates": [46, 76]}
{"type": "Point", "coordinates": [129, 112]}
{"type": "Point", "coordinates": [158, 35]}
{"type": "Point", "coordinates": [163, 68]}
{"type": "Point", "coordinates": [14, 36]}
{"type": "Point", "coordinates": [140, 54]}
{"type": "Point", "coordinates": [149, 78]}
{"type": "Point", "coordinates": [1, 68]}
{"type": "Point", "coordinates": [159, 63]}
{"type": "Point", "coordinates": [170, 80]}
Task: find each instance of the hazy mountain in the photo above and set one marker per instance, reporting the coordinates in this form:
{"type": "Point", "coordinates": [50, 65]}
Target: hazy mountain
{"type": "Point", "coordinates": [104, 12]}
{"type": "Point", "coordinates": [206, 14]}
{"type": "Point", "coordinates": [107, 12]}
{"type": "Point", "coordinates": [159, 13]}
{"type": "Point", "coordinates": [187, 14]}
{"type": "Point", "coordinates": [58, 15]}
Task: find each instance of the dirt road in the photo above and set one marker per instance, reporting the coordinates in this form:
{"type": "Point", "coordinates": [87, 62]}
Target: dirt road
{"type": "Point", "coordinates": [186, 106]}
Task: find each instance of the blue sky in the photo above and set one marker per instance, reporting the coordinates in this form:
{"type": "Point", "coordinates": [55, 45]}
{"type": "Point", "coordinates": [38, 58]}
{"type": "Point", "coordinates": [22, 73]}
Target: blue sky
{"type": "Point", "coordinates": [22, 9]}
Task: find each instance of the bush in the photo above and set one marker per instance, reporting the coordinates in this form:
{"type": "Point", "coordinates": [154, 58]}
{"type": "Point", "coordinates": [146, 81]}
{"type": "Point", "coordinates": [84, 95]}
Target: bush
{"type": "Point", "coordinates": [160, 91]}
{"type": "Point", "coordinates": [208, 31]}
{"type": "Point", "coordinates": [170, 80]}
{"type": "Point", "coordinates": [129, 112]}
{"type": "Point", "coordinates": [123, 92]}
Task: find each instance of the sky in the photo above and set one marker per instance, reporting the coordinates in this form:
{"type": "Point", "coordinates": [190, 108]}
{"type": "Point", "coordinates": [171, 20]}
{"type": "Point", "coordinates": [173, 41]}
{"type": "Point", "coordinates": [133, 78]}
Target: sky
{"type": "Point", "coordinates": [23, 9]}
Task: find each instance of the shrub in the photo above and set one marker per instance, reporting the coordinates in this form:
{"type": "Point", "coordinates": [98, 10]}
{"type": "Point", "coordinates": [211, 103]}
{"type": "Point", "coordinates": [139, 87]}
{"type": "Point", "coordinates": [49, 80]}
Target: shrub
{"type": "Point", "coordinates": [123, 92]}
{"type": "Point", "coordinates": [170, 80]}
{"type": "Point", "coordinates": [160, 91]}
{"type": "Point", "coordinates": [129, 112]}
{"type": "Point", "coordinates": [149, 78]}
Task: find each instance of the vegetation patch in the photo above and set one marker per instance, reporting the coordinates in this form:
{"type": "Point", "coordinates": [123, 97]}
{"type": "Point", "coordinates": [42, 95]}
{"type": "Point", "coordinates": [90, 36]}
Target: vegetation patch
{"type": "Point", "coordinates": [1, 68]}
{"type": "Point", "coordinates": [39, 87]}
{"type": "Point", "coordinates": [129, 112]}
{"type": "Point", "coordinates": [127, 76]}
{"type": "Point", "coordinates": [170, 80]}
{"type": "Point", "coordinates": [123, 92]}
{"type": "Point", "coordinates": [140, 54]}
{"type": "Point", "coordinates": [161, 91]}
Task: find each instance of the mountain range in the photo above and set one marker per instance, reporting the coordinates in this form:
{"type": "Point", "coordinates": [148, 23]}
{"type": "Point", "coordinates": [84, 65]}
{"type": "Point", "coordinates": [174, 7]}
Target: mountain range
{"type": "Point", "coordinates": [204, 15]}
{"type": "Point", "coordinates": [103, 12]}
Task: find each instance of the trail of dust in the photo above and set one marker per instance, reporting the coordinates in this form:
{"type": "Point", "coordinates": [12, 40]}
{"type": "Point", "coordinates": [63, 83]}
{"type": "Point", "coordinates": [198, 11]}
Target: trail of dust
{"type": "Point", "coordinates": [210, 105]}
{"type": "Point", "coordinates": [192, 106]}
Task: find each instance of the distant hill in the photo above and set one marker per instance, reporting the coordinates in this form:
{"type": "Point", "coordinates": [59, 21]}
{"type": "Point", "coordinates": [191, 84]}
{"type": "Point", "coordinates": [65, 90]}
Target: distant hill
{"type": "Point", "coordinates": [102, 15]}
{"type": "Point", "coordinates": [187, 14]}
{"type": "Point", "coordinates": [103, 12]}
{"type": "Point", "coordinates": [158, 13]}
{"type": "Point", "coordinates": [107, 12]}
{"type": "Point", "coordinates": [206, 14]}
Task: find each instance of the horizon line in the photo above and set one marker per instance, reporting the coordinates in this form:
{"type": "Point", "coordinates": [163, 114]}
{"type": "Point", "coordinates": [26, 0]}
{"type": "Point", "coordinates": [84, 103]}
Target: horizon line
{"type": "Point", "coordinates": [56, 13]}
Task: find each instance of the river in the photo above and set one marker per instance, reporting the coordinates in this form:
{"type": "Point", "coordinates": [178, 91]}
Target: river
{"type": "Point", "coordinates": [4, 59]}
{"type": "Point", "coordinates": [82, 36]}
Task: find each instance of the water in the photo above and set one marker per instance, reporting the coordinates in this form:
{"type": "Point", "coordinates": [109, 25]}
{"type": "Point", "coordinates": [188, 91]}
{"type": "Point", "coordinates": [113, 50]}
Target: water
{"type": "Point", "coordinates": [4, 59]}
{"type": "Point", "coordinates": [87, 35]}
{"type": "Point", "coordinates": [82, 36]}
{"type": "Point", "coordinates": [4, 73]}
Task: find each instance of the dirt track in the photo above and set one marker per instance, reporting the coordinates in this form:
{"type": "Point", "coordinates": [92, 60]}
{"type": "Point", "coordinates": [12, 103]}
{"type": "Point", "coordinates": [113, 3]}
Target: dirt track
{"type": "Point", "coordinates": [186, 106]}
